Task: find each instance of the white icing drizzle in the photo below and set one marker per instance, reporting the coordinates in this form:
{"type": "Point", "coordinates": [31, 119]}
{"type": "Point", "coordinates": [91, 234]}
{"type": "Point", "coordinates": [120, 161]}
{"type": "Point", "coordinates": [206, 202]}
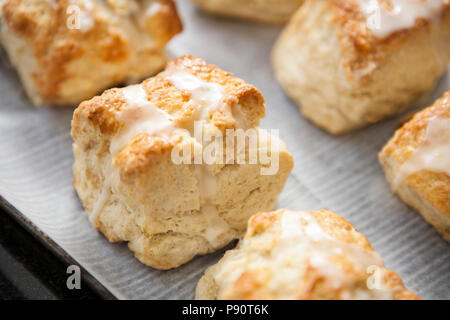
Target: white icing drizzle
{"type": "Point", "coordinates": [103, 198]}
{"type": "Point", "coordinates": [153, 8]}
{"type": "Point", "coordinates": [301, 227]}
{"type": "Point", "coordinates": [206, 96]}
{"type": "Point", "coordinates": [433, 154]}
{"type": "Point", "coordinates": [141, 116]}
{"type": "Point", "coordinates": [86, 21]}
{"type": "Point", "coordinates": [302, 235]}
{"type": "Point", "coordinates": [207, 184]}
{"type": "Point", "coordinates": [302, 242]}
{"type": "Point", "coordinates": [404, 14]}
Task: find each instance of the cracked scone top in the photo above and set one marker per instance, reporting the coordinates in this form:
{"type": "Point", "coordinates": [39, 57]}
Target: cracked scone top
{"type": "Point", "coordinates": [301, 255]}
{"type": "Point", "coordinates": [351, 63]}
{"type": "Point", "coordinates": [66, 51]}
{"type": "Point", "coordinates": [126, 176]}
{"type": "Point", "coordinates": [417, 164]}
{"type": "Point", "coordinates": [272, 11]}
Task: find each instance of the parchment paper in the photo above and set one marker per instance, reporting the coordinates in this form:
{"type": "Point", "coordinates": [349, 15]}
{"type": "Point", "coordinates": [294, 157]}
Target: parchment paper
{"type": "Point", "coordinates": [337, 173]}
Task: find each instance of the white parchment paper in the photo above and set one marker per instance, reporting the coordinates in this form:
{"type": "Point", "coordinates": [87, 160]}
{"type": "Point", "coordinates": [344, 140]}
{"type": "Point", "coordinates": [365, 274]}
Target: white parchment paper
{"type": "Point", "coordinates": [337, 173]}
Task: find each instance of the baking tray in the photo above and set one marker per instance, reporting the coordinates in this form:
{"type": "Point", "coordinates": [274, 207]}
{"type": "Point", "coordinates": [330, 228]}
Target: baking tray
{"type": "Point", "coordinates": [337, 173]}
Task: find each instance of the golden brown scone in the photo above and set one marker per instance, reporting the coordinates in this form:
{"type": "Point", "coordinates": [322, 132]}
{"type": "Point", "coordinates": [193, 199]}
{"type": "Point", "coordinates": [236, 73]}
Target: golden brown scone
{"type": "Point", "coordinates": [67, 51]}
{"type": "Point", "coordinates": [294, 255]}
{"type": "Point", "coordinates": [134, 190]}
{"type": "Point", "coordinates": [272, 11]}
{"type": "Point", "coordinates": [417, 164]}
{"type": "Point", "coordinates": [346, 68]}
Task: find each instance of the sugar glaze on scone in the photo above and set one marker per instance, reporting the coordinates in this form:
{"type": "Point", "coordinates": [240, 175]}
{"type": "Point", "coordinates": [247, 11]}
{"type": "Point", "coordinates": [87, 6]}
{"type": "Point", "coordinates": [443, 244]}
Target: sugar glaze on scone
{"type": "Point", "coordinates": [272, 11]}
{"type": "Point", "coordinates": [67, 51]}
{"type": "Point", "coordinates": [386, 17]}
{"type": "Point", "coordinates": [302, 256]}
{"type": "Point", "coordinates": [350, 63]}
{"type": "Point", "coordinates": [417, 164]}
{"type": "Point", "coordinates": [126, 176]}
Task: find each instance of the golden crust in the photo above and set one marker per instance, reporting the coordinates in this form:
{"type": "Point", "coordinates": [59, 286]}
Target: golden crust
{"type": "Point", "coordinates": [268, 11]}
{"type": "Point", "coordinates": [172, 100]}
{"type": "Point", "coordinates": [43, 25]}
{"type": "Point", "coordinates": [162, 93]}
{"type": "Point", "coordinates": [333, 224]}
{"type": "Point", "coordinates": [361, 48]}
{"type": "Point", "coordinates": [343, 77]}
{"type": "Point", "coordinates": [254, 280]}
{"type": "Point", "coordinates": [166, 24]}
{"type": "Point", "coordinates": [434, 187]}
{"type": "Point", "coordinates": [411, 135]}
{"type": "Point", "coordinates": [100, 111]}
{"type": "Point", "coordinates": [152, 202]}
{"type": "Point", "coordinates": [136, 156]}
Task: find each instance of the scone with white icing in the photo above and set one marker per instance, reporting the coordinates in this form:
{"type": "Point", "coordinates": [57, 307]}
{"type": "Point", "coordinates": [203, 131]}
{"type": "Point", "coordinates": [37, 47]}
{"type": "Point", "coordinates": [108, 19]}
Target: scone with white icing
{"type": "Point", "coordinates": [272, 11]}
{"type": "Point", "coordinates": [148, 171]}
{"type": "Point", "coordinates": [294, 255]}
{"type": "Point", "coordinates": [417, 164]}
{"type": "Point", "coordinates": [350, 63]}
{"type": "Point", "coordinates": [67, 51]}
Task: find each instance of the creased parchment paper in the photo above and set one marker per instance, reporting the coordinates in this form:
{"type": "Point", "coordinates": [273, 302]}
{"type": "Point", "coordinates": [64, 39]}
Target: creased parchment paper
{"type": "Point", "coordinates": [337, 173]}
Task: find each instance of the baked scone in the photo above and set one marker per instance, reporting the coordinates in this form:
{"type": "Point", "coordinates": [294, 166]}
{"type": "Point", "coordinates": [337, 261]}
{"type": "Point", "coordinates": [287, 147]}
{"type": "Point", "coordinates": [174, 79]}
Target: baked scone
{"type": "Point", "coordinates": [295, 255]}
{"type": "Point", "coordinates": [350, 63]}
{"type": "Point", "coordinates": [272, 11]}
{"type": "Point", "coordinates": [417, 164]}
{"type": "Point", "coordinates": [67, 51]}
{"type": "Point", "coordinates": [129, 177]}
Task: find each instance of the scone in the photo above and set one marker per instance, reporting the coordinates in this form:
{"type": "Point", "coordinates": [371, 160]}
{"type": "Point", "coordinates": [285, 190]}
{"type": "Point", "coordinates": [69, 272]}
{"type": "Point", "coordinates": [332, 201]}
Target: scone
{"type": "Point", "coordinates": [272, 11]}
{"type": "Point", "coordinates": [148, 171]}
{"type": "Point", "coordinates": [350, 63]}
{"type": "Point", "coordinates": [67, 51]}
{"type": "Point", "coordinates": [294, 255]}
{"type": "Point", "coordinates": [417, 164]}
